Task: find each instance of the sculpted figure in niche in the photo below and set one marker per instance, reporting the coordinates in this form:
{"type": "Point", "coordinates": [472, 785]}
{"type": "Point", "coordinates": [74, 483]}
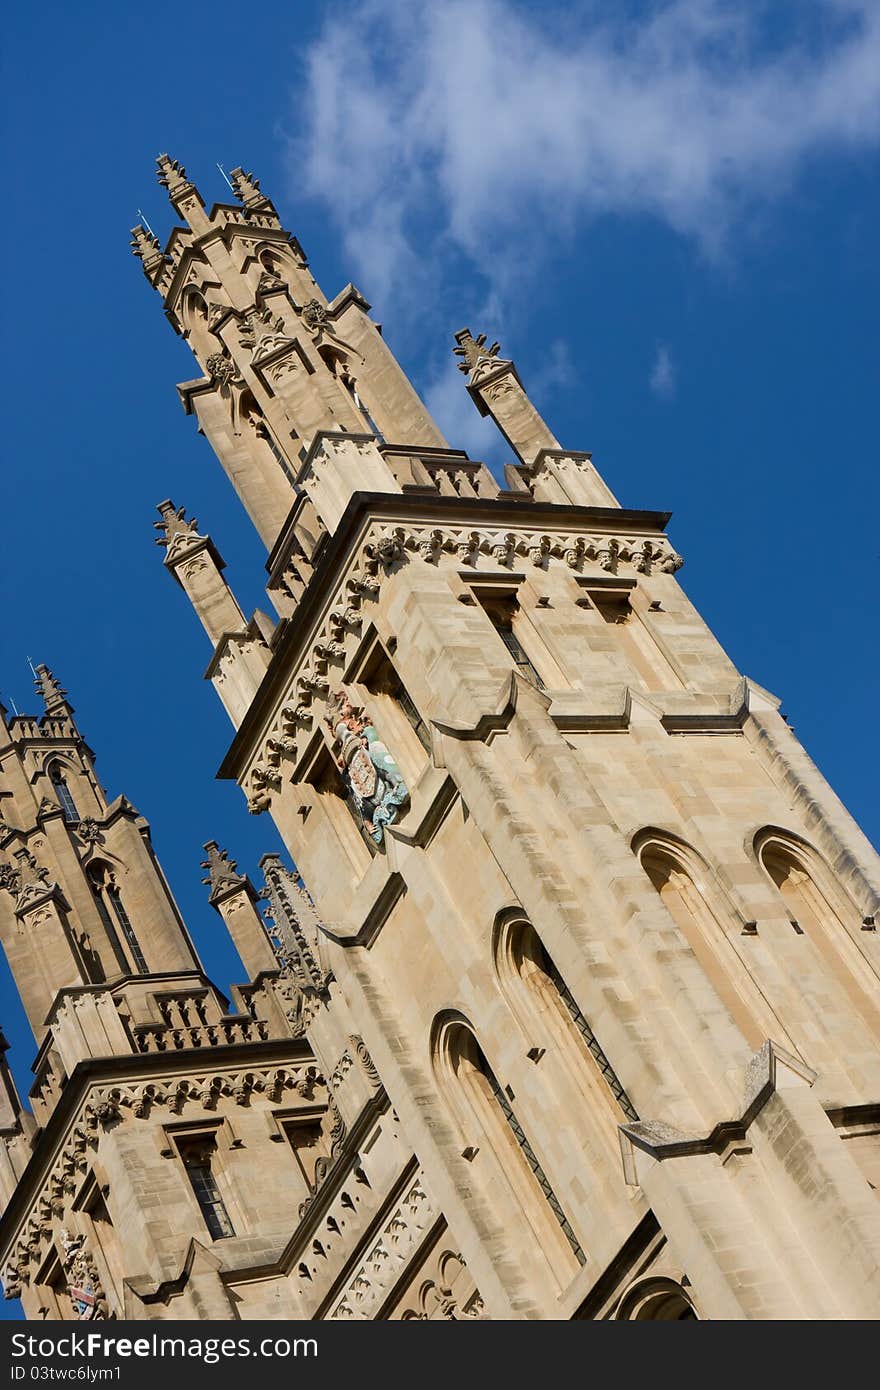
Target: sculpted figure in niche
{"type": "Point", "coordinates": [368, 769]}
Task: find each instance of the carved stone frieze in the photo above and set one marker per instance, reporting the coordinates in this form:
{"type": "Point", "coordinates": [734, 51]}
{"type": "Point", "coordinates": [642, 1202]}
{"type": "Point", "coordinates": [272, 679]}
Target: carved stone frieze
{"type": "Point", "coordinates": [108, 1106]}
{"type": "Point", "coordinates": [385, 547]}
{"type": "Point", "coordinates": [376, 1274]}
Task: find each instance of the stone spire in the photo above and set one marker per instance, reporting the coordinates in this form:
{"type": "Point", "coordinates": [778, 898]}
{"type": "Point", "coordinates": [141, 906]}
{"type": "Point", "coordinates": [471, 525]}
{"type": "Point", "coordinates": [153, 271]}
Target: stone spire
{"type": "Point", "coordinates": [146, 247]}
{"type": "Point", "coordinates": [495, 388]}
{"type": "Point", "coordinates": [175, 529]}
{"type": "Point", "coordinates": [185, 197]}
{"type": "Point", "coordinates": [221, 877]}
{"type": "Point", "coordinates": [294, 924]}
{"type": "Point", "coordinates": [234, 898]}
{"type": "Point", "coordinates": [247, 190]}
{"type": "Point", "coordinates": [53, 695]}
{"type": "Point", "coordinates": [172, 175]}
{"type": "Point", "coordinates": [476, 358]}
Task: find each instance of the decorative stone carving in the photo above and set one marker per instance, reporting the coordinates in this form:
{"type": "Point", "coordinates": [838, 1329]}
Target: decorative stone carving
{"type": "Point", "coordinates": [53, 695]}
{"type": "Point", "coordinates": [671, 563]}
{"type": "Point", "coordinates": [366, 1061]}
{"type": "Point", "coordinates": [177, 532]}
{"type": "Point", "coordinates": [269, 281]}
{"type": "Point", "coordinates": [90, 831]}
{"type": "Point", "coordinates": [221, 876]}
{"type": "Point", "coordinates": [10, 878]}
{"type": "Point", "coordinates": [430, 545]}
{"type": "Point", "coordinates": [314, 314]}
{"type": "Point", "coordinates": [370, 772]}
{"type": "Point", "coordinates": [223, 372]}
{"type": "Point", "coordinates": [83, 1282]}
{"type": "Point", "coordinates": [377, 1273]}
{"type": "Point", "coordinates": [26, 880]}
{"type": "Point", "coordinates": [473, 351]}
{"type": "Point", "coordinates": [263, 334]}
{"type": "Point", "coordinates": [293, 927]}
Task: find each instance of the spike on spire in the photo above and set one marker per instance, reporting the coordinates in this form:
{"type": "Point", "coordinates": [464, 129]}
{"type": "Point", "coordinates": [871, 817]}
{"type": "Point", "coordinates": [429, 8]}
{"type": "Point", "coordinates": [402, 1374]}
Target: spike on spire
{"type": "Point", "coordinates": [221, 877]}
{"type": "Point", "coordinates": [53, 696]}
{"type": "Point", "coordinates": [247, 189]}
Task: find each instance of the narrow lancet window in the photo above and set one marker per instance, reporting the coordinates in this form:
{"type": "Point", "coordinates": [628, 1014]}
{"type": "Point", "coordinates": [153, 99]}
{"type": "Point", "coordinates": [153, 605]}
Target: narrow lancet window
{"type": "Point", "coordinates": [63, 794]}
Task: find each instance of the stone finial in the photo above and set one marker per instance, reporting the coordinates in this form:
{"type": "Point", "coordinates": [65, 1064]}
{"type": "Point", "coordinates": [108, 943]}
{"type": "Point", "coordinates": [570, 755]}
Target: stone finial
{"type": "Point", "coordinates": [247, 189]}
{"type": "Point", "coordinates": [53, 696]}
{"type": "Point", "coordinates": [473, 351]}
{"type": "Point", "coordinates": [145, 246]}
{"type": "Point", "coordinates": [221, 876]}
{"type": "Point", "coordinates": [174, 525]}
{"type": "Point", "coordinates": [172, 176]}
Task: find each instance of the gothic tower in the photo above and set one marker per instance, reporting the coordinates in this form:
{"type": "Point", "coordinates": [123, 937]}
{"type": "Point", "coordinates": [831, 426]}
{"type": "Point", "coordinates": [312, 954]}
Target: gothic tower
{"type": "Point", "coordinates": [606, 933]}
{"type": "Point", "coordinates": [579, 987]}
{"type": "Point", "coordinates": [149, 1093]}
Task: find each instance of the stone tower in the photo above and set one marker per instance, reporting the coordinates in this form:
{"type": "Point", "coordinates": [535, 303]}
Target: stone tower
{"type": "Point", "coordinates": [577, 1015]}
{"type": "Point", "coordinates": [147, 1089]}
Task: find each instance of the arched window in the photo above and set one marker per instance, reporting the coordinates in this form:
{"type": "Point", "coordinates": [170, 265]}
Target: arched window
{"type": "Point", "coordinates": [252, 415]}
{"type": "Point", "coordinates": [63, 794]}
{"type": "Point", "coordinates": [272, 262]}
{"type": "Point", "coordinates": [819, 909]}
{"type": "Point", "coordinates": [194, 317]}
{"type": "Point", "coordinates": [112, 912]}
{"type": "Point", "coordinates": [505, 1163]}
{"type": "Point", "coordinates": [539, 995]}
{"type": "Point", "coordinates": [656, 1300]}
{"type": "Point", "coordinates": [682, 881]}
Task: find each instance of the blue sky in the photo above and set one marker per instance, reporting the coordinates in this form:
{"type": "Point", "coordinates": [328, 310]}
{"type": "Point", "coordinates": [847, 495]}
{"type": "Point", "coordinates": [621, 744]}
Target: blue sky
{"type": "Point", "coordinates": [667, 213]}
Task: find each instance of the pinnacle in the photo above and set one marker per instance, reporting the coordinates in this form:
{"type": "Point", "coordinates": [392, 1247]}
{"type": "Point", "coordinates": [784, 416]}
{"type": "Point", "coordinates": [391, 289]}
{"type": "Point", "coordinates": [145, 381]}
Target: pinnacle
{"type": "Point", "coordinates": [222, 873]}
{"type": "Point", "coordinates": [171, 174]}
{"type": "Point", "coordinates": [54, 697]}
{"type": "Point", "coordinates": [473, 350]}
{"type": "Point", "coordinates": [246, 188]}
{"type": "Point", "coordinates": [174, 523]}
{"type": "Point", "coordinates": [145, 244]}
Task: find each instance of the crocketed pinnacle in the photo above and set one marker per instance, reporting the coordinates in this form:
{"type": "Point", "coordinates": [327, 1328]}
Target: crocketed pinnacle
{"type": "Point", "coordinates": [53, 696]}
{"type": "Point", "coordinates": [221, 875]}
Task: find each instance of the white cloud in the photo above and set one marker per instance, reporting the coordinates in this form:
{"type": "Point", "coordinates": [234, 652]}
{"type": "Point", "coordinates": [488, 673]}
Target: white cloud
{"type": "Point", "coordinates": [483, 130]}
{"type": "Point", "coordinates": [663, 374]}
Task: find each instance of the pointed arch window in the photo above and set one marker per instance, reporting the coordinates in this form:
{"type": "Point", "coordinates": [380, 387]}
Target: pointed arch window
{"type": "Point", "coordinates": [680, 877]}
{"type": "Point", "coordinates": [124, 921]}
{"type": "Point", "coordinates": [111, 910]}
{"type": "Point", "coordinates": [63, 794]}
{"type": "Point", "coordinates": [539, 996]}
{"type": "Point", "coordinates": [820, 910]}
{"type": "Point", "coordinates": [507, 1162]}
{"type": "Point", "coordinates": [253, 416]}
